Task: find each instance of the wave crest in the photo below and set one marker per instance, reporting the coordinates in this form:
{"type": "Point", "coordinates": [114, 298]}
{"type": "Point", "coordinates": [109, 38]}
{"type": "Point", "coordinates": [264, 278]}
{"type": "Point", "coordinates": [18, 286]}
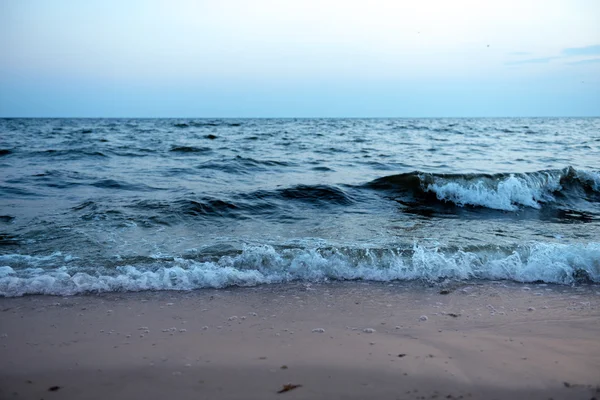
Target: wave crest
{"type": "Point", "coordinates": [507, 192]}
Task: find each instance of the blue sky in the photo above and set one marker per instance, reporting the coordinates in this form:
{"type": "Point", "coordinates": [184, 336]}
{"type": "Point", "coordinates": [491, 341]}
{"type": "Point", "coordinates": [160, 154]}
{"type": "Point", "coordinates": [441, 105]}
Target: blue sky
{"type": "Point", "coordinates": [308, 58]}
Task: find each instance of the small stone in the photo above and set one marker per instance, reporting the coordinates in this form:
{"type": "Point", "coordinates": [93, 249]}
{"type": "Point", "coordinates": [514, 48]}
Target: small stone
{"type": "Point", "coordinates": [369, 330]}
{"type": "Point", "coordinates": [423, 318]}
{"type": "Point", "coordinates": [531, 309]}
{"type": "Point", "coordinates": [318, 330]}
{"type": "Point", "coordinates": [232, 318]}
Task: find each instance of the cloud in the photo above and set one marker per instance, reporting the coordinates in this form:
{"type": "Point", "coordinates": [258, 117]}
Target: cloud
{"type": "Point", "coordinates": [566, 53]}
{"type": "Point", "coordinates": [520, 53]}
{"type": "Point", "coordinates": [590, 61]}
{"type": "Point", "coordinates": [542, 60]}
{"type": "Point", "coordinates": [582, 51]}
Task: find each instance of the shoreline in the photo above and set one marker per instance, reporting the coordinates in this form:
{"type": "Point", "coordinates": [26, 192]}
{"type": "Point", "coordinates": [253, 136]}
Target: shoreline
{"type": "Point", "coordinates": [338, 340]}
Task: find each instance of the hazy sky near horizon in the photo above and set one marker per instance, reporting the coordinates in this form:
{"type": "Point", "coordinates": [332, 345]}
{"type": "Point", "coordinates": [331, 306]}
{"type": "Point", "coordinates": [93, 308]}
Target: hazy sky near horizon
{"type": "Point", "coordinates": [299, 58]}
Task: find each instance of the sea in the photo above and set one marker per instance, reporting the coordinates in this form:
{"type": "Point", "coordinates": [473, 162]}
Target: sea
{"type": "Point", "coordinates": [118, 205]}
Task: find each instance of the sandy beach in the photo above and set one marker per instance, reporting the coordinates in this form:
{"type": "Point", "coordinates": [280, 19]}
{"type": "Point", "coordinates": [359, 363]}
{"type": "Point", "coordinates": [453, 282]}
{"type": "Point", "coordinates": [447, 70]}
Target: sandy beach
{"type": "Point", "coordinates": [336, 341]}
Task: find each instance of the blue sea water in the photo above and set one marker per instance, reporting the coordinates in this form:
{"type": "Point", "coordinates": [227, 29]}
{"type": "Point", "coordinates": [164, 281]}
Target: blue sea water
{"type": "Point", "coordinates": [93, 205]}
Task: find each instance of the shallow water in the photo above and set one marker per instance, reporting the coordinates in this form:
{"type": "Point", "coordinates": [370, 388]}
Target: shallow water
{"type": "Point", "coordinates": [135, 204]}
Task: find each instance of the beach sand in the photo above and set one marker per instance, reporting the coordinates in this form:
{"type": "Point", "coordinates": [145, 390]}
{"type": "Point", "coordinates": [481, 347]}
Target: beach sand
{"type": "Point", "coordinates": [338, 341]}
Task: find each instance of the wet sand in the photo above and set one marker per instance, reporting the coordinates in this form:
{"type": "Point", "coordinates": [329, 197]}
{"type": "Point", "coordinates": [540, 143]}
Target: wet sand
{"type": "Point", "coordinates": [337, 341]}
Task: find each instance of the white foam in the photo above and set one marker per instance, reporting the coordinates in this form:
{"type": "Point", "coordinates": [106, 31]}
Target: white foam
{"type": "Point", "coordinates": [529, 190]}
{"type": "Point", "coordinates": [507, 194]}
{"type": "Point", "coordinates": [548, 262]}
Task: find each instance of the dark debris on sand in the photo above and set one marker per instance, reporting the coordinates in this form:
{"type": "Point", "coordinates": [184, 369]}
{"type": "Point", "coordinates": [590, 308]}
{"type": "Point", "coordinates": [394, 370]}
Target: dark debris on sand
{"type": "Point", "coordinates": [287, 387]}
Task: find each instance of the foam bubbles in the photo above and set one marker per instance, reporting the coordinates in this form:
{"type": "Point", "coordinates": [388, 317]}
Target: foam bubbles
{"type": "Point", "coordinates": [548, 262]}
{"type": "Point", "coordinates": [506, 194]}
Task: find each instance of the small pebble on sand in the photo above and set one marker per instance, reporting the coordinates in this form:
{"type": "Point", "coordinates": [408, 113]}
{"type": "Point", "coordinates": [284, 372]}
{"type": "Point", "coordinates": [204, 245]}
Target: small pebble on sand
{"type": "Point", "coordinates": [423, 318]}
{"type": "Point", "coordinates": [318, 330]}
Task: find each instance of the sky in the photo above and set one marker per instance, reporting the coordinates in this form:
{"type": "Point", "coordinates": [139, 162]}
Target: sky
{"type": "Point", "coordinates": [299, 58]}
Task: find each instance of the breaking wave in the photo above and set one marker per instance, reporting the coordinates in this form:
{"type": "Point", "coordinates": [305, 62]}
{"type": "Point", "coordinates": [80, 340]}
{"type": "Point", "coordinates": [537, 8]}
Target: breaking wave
{"type": "Point", "coordinates": [506, 192]}
{"type": "Point", "coordinates": [59, 275]}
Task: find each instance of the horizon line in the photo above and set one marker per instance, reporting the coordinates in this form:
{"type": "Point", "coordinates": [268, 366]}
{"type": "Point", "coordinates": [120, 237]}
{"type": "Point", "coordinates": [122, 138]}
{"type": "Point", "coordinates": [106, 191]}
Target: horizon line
{"type": "Point", "coordinates": [305, 117]}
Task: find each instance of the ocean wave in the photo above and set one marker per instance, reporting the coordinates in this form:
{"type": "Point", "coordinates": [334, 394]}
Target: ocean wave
{"type": "Point", "coordinates": [507, 192]}
{"type": "Point", "coordinates": [317, 195]}
{"type": "Point", "coordinates": [201, 124]}
{"type": "Point", "coordinates": [190, 149]}
{"type": "Point", "coordinates": [536, 262]}
{"type": "Point", "coordinates": [243, 165]}
{"type": "Point", "coordinates": [208, 206]}
{"type": "Point", "coordinates": [502, 194]}
{"type": "Point", "coordinates": [74, 153]}
{"type": "Point", "coordinates": [121, 185]}
{"type": "Point", "coordinates": [246, 205]}
{"type": "Point", "coordinates": [320, 194]}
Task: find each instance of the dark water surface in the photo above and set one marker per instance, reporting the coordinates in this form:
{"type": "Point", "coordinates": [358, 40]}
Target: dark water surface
{"type": "Point", "coordinates": [136, 204]}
